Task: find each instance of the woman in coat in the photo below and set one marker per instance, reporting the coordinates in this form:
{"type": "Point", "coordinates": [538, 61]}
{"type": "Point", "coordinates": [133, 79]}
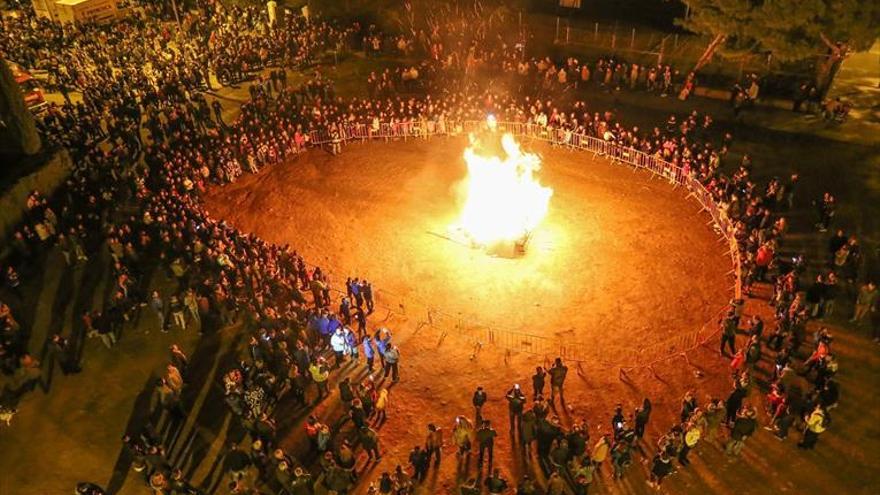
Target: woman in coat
{"type": "Point", "coordinates": [462, 435]}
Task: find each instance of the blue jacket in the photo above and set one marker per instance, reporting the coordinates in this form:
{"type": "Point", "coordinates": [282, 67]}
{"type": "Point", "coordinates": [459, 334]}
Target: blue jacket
{"type": "Point", "coordinates": [381, 344]}
{"type": "Point", "coordinates": [368, 349]}
{"type": "Point", "coordinates": [332, 325]}
{"type": "Point", "coordinates": [314, 323]}
{"type": "Point", "coordinates": [324, 325]}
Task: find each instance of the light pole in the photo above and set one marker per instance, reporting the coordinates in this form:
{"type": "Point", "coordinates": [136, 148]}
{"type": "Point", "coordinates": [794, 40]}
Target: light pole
{"type": "Point", "coordinates": [176, 16]}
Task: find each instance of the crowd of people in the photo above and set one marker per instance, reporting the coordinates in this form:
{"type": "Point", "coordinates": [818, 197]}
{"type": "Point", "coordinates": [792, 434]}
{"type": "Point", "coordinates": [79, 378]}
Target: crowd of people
{"type": "Point", "coordinates": [145, 136]}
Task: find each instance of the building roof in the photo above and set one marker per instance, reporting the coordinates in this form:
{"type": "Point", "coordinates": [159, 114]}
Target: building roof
{"type": "Point", "coordinates": [72, 3]}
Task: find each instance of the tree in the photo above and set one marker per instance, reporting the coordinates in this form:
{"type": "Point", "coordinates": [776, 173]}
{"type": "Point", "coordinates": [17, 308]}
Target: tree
{"type": "Point", "coordinates": [788, 30]}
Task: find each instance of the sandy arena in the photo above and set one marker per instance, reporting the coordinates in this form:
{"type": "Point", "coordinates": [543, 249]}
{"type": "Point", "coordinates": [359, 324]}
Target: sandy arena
{"type": "Point", "coordinates": [620, 257]}
{"type": "Point", "coordinates": [621, 261]}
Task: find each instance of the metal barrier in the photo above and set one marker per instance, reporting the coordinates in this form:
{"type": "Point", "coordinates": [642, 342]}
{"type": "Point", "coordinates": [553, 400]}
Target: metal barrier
{"type": "Point", "coordinates": [515, 341]}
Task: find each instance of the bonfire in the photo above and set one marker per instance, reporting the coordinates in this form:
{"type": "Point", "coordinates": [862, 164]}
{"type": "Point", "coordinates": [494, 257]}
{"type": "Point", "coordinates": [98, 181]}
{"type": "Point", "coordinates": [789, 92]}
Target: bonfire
{"type": "Point", "coordinates": [504, 201]}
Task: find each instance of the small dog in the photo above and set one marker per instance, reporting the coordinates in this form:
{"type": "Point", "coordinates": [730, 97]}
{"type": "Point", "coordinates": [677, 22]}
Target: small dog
{"type": "Point", "coordinates": [6, 414]}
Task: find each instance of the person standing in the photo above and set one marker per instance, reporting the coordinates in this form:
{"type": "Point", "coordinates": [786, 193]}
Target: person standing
{"type": "Point", "coordinates": [361, 318]}
{"type": "Point", "coordinates": [558, 373]}
{"type": "Point", "coordinates": [461, 435]}
{"type": "Point", "coordinates": [174, 379]}
{"type": "Point", "coordinates": [346, 394]}
{"type": "Point", "coordinates": [64, 354]}
{"type": "Point", "coordinates": [13, 283]}
{"type": "Point", "coordinates": [582, 472]}
{"type": "Point", "coordinates": [538, 382]}
{"type": "Point", "coordinates": [351, 344]}
{"type": "Point", "coordinates": [179, 359]}
{"type": "Point", "coordinates": [865, 301]}
{"type": "Point", "coordinates": [743, 427]}
{"type": "Point", "coordinates": [392, 359]}
{"type": "Point", "coordinates": [357, 413]}
{"type": "Point", "coordinates": [191, 302]}
{"type": "Point", "coordinates": [480, 397]}
{"type": "Point", "coordinates": [369, 352]}
{"type": "Point", "coordinates": [728, 333]}
{"type": "Point", "coordinates": [529, 431]}
{"type": "Point", "coordinates": [515, 404]}
{"type": "Point", "coordinates": [218, 113]}
{"type": "Point", "coordinates": [600, 452]}
{"type": "Point", "coordinates": [157, 304]}
{"type": "Point", "coordinates": [688, 405]}
{"type": "Point", "coordinates": [370, 442]}
{"type": "Point", "coordinates": [618, 421]}
{"type": "Point", "coordinates": [734, 403]}
{"type": "Point", "coordinates": [713, 417]}
{"type": "Point", "coordinates": [621, 458]}
{"type": "Point", "coordinates": [367, 291]}
{"type": "Point", "coordinates": [320, 375]}
{"type": "Point", "coordinates": [418, 458]}
{"type": "Point", "coordinates": [382, 339]}
{"type": "Point", "coordinates": [433, 443]}
{"type": "Point", "coordinates": [271, 11]}
{"type": "Point", "coordinates": [486, 441]}
{"type": "Point", "coordinates": [642, 415]}
{"type": "Point", "coordinates": [353, 287]}
{"type": "Point", "coordinates": [661, 466]}
{"type": "Point", "coordinates": [816, 424]}
{"type": "Point", "coordinates": [176, 309]}
{"type": "Point", "coordinates": [104, 329]}
{"type": "Point", "coordinates": [692, 434]}
{"type": "Point", "coordinates": [337, 343]}
{"type": "Point", "coordinates": [381, 406]}
{"type": "Point", "coordinates": [826, 209]}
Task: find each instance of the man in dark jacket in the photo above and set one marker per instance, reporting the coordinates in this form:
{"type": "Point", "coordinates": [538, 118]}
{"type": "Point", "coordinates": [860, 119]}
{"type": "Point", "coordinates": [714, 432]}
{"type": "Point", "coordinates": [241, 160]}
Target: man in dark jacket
{"type": "Point", "coordinates": [515, 403]}
{"type": "Point", "coordinates": [538, 382]}
{"type": "Point", "coordinates": [486, 440]}
{"type": "Point", "coordinates": [64, 353]}
{"type": "Point", "coordinates": [734, 403]}
{"type": "Point", "coordinates": [557, 379]}
{"type": "Point", "coordinates": [728, 333]}
{"type": "Point", "coordinates": [743, 428]}
{"type": "Point", "coordinates": [418, 458]}
{"type": "Point", "coordinates": [480, 397]}
{"type": "Point", "coordinates": [370, 442]}
{"type": "Point", "coordinates": [661, 466]}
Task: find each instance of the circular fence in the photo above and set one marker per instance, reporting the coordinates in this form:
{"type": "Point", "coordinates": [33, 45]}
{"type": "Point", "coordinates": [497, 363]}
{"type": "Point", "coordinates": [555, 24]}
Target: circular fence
{"type": "Point", "coordinates": [509, 340]}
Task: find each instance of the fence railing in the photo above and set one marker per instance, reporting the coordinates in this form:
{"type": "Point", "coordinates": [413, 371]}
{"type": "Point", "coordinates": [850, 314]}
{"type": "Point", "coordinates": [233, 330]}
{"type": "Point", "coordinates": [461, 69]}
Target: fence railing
{"type": "Point", "coordinates": [516, 341]}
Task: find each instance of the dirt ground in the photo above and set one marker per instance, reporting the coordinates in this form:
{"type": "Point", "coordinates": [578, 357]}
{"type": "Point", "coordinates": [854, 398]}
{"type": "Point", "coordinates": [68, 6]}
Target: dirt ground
{"type": "Point", "coordinates": [617, 250]}
{"type": "Point", "coordinates": [621, 261]}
